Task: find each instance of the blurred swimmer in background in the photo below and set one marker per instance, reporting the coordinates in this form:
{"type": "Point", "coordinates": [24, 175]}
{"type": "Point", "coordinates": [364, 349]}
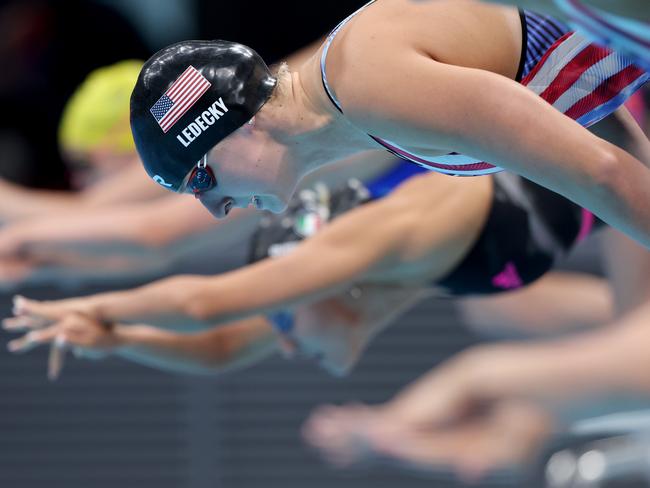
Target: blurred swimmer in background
{"type": "Point", "coordinates": [113, 202]}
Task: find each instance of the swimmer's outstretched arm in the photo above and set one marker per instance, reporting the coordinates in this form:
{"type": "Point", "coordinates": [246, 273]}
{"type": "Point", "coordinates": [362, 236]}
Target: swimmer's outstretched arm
{"type": "Point", "coordinates": [404, 231]}
{"type": "Point", "coordinates": [602, 363]}
{"type": "Point", "coordinates": [129, 185]}
{"type": "Point", "coordinates": [408, 229]}
{"type": "Point", "coordinates": [163, 303]}
{"type": "Point", "coordinates": [486, 390]}
{"type": "Point", "coordinates": [487, 116]}
{"type": "Point", "coordinates": [230, 347]}
{"type": "Point", "coordinates": [608, 360]}
{"type": "Point", "coordinates": [352, 319]}
{"type": "Point", "coordinates": [220, 350]}
{"type": "Point", "coordinates": [579, 301]}
{"type": "Point", "coordinates": [149, 224]}
{"type": "Point", "coordinates": [281, 281]}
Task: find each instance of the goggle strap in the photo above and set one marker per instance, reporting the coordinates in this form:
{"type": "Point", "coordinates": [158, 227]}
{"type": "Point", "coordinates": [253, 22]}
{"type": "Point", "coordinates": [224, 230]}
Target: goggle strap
{"type": "Point", "coordinates": [203, 163]}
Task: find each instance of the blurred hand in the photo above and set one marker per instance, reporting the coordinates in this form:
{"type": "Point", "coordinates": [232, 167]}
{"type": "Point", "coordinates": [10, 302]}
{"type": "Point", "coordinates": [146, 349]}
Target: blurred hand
{"type": "Point", "coordinates": [506, 434]}
{"type": "Point", "coordinates": [349, 434]}
{"type": "Point", "coordinates": [31, 314]}
{"type": "Point", "coordinates": [76, 330]}
{"type": "Point", "coordinates": [463, 415]}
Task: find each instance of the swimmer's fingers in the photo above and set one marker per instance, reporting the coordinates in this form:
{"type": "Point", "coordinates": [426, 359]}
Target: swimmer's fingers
{"type": "Point", "coordinates": [87, 335]}
{"type": "Point", "coordinates": [344, 435]}
{"type": "Point", "coordinates": [24, 323]}
{"type": "Point", "coordinates": [48, 310]}
{"type": "Point", "coordinates": [75, 330]}
{"type": "Point", "coordinates": [33, 339]}
{"type": "Point", "coordinates": [338, 445]}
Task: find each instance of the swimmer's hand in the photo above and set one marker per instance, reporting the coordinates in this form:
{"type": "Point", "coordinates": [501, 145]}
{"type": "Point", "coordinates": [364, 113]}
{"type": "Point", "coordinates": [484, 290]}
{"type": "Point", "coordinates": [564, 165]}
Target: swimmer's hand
{"type": "Point", "coordinates": [347, 435]}
{"type": "Point", "coordinates": [504, 435]}
{"type": "Point", "coordinates": [29, 314]}
{"type": "Point", "coordinates": [458, 416]}
{"type": "Point", "coordinates": [86, 335]}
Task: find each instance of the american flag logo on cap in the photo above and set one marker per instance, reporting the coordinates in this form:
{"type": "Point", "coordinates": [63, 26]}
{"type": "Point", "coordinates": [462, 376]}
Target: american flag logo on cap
{"type": "Point", "coordinates": [179, 98]}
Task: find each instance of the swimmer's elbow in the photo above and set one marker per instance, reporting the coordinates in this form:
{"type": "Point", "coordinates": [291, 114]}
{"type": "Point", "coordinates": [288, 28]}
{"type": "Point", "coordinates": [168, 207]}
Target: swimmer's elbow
{"type": "Point", "coordinates": [196, 309]}
{"type": "Point", "coordinates": [192, 297]}
{"type": "Point", "coordinates": [608, 170]}
{"type": "Point", "coordinates": [203, 307]}
{"type": "Point", "coordinates": [619, 188]}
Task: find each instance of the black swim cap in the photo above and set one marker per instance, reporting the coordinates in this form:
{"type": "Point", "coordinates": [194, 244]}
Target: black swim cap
{"type": "Point", "coordinates": [189, 97]}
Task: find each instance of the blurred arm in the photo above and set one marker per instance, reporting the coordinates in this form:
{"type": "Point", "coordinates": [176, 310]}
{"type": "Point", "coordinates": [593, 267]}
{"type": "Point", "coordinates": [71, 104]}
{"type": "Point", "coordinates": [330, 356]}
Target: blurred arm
{"type": "Point", "coordinates": [129, 185]}
{"type": "Point", "coordinates": [607, 362]}
{"type": "Point", "coordinates": [406, 237]}
{"type": "Point", "coordinates": [217, 350]}
{"type": "Point", "coordinates": [149, 224]}
{"type": "Point", "coordinates": [233, 346]}
{"type": "Point", "coordinates": [579, 301]}
{"type": "Point", "coordinates": [627, 266]}
{"type": "Point", "coordinates": [601, 363]}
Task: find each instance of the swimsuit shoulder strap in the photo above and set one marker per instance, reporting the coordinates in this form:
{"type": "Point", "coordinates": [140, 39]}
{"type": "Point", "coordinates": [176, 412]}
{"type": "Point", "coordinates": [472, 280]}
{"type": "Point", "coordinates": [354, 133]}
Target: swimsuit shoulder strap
{"type": "Point", "coordinates": [326, 48]}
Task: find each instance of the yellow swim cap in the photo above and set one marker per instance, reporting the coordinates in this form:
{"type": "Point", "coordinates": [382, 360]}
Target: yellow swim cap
{"type": "Point", "coordinates": [97, 114]}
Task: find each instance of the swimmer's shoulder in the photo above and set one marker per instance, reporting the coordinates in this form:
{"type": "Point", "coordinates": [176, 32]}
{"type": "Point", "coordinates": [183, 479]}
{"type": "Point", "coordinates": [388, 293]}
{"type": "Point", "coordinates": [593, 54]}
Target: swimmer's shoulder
{"type": "Point", "coordinates": [361, 66]}
{"type": "Point", "coordinates": [358, 56]}
{"type": "Point", "coordinates": [372, 56]}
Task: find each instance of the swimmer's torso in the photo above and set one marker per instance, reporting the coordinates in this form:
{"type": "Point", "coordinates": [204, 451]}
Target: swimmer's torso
{"type": "Point", "coordinates": [466, 34]}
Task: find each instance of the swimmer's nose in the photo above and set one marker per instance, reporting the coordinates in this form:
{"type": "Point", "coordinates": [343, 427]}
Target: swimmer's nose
{"type": "Point", "coordinates": [221, 209]}
{"type": "Point", "coordinates": [227, 205]}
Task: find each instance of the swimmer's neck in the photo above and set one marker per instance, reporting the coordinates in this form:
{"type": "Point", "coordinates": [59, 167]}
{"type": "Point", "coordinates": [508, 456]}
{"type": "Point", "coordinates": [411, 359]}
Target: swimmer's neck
{"type": "Point", "coordinates": [313, 132]}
